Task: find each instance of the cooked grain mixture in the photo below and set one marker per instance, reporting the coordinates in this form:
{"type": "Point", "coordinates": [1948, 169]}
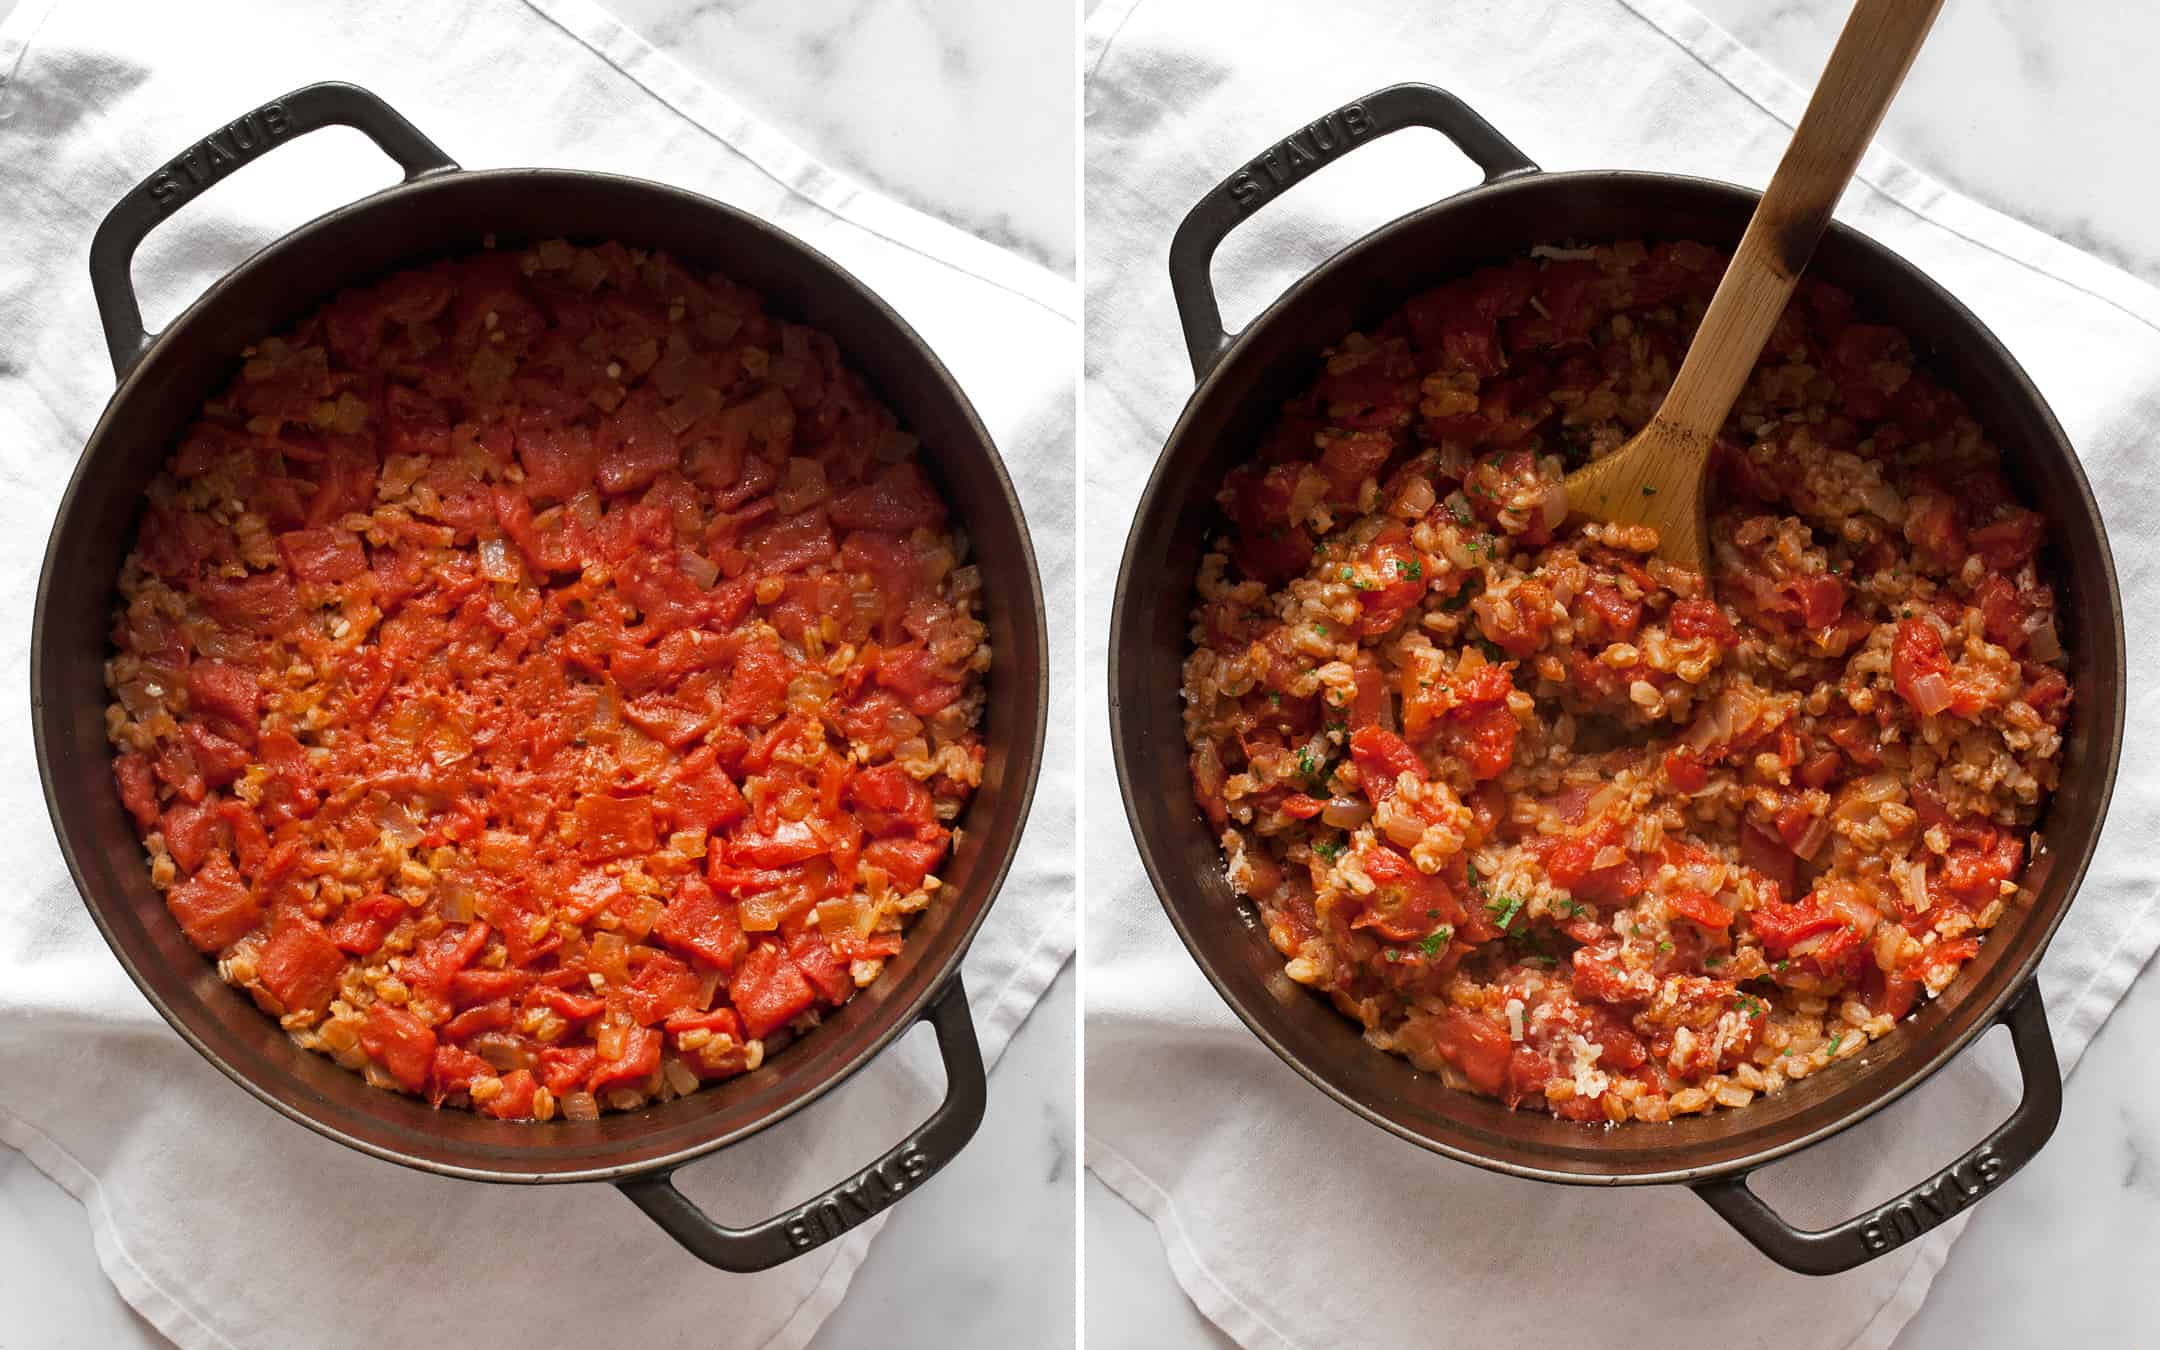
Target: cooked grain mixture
{"type": "Point", "coordinates": [545, 681]}
{"type": "Point", "coordinates": [1572, 826]}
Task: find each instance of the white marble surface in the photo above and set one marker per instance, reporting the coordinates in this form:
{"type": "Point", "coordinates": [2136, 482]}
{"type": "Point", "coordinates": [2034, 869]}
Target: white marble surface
{"type": "Point", "coordinates": [962, 109]}
{"type": "Point", "coordinates": [2040, 109]}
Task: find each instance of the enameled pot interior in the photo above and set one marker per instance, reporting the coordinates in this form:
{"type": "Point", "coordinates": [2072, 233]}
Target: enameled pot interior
{"type": "Point", "coordinates": [406, 226]}
{"type": "Point", "coordinates": [1223, 425]}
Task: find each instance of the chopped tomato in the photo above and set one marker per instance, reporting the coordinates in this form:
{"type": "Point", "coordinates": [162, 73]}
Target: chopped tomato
{"type": "Point", "coordinates": [1689, 620]}
{"type": "Point", "coordinates": [434, 962]}
{"type": "Point", "coordinates": [138, 789]}
{"type": "Point", "coordinates": [662, 986]}
{"type": "Point", "coordinates": [906, 861]}
{"type": "Point", "coordinates": [402, 1043]}
{"type": "Point", "coordinates": [1476, 1045]}
{"type": "Point", "coordinates": [900, 498]}
{"type": "Point", "coordinates": [1780, 926]}
{"type": "Point", "coordinates": [704, 924]}
{"type": "Point", "coordinates": [827, 973]}
{"type": "Point", "coordinates": [214, 906]}
{"type": "Point", "coordinates": [476, 1019]}
{"type": "Point", "coordinates": [453, 1070]}
{"type": "Point", "coordinates": [299, 964]}
{"type": "Point", "coordinates": [610, 827]}
{"type": "Point", "coordinates": [641, 1055]}
{"type": "Point", "coordinates": [565, 1068]}
{"type": "Point", "coordinates": [515, 1101]}
{"type": "Point", "coordinates": [225, 691]}
{"type": "Point", "coordinates": [769, 992]}
{"type": "Point", "coordinates": [1698, 908]}
{"type": "Point", "coordinates": [366, 922]}
{"type": "Point", "coordinates": [1382, 758]}
{"type": "Point", "coordinates": [323, 555]}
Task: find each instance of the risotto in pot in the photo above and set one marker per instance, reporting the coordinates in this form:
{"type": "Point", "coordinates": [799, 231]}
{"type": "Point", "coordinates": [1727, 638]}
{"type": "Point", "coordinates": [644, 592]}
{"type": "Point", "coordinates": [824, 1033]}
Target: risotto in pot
{"type": "Point", "coordinates": [1578, 828]}
{"type": "Point", "coordinates": [546, 681]}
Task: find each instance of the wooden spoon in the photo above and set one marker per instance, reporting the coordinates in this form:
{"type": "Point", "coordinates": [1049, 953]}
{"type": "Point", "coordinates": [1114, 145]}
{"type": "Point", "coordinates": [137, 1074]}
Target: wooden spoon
{"type": "Point", "coordinates": [1657, 477]}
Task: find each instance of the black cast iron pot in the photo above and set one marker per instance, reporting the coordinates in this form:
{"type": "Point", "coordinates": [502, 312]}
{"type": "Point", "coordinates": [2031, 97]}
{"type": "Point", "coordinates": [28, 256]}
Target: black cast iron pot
{"type": "Point", "coordinates": [163, 380]}
{"type": "Point", "coordinates": [1243, 381]}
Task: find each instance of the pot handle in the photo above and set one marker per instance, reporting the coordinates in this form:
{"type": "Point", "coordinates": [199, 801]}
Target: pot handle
{"type": "Point", "coordinates": [1934, 1201]}
{"type": "Point", "coordinates": [862, 1196]}
{"type": "Point", "coordinates": [1291, 159]}
{"type": "Point", "coordinates": [207, 162]}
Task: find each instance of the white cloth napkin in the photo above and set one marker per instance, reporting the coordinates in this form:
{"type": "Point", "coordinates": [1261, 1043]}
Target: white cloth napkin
{"type": "Point", "coordinates": [1290, 1222]}
{"type": "Point", "coordinates": [223, 1223]}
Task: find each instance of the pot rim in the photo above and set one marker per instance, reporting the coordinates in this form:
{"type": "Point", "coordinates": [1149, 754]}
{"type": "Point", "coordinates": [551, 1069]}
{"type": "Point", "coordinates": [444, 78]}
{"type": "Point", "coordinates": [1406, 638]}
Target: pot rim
{"type": "Point", "coordinates": [1529, 183]}
{"type": "Point", "coordinates": [896, 1017]}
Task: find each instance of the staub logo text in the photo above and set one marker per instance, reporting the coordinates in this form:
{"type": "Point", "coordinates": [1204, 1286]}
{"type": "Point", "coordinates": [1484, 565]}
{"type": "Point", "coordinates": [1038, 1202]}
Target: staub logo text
{"type": "Point", "coordinates": [218, 153]}
{"type": "Point", "coordinates": [1298, 154]}
{"type": "Point", "coordinates": [873, 1190]}
{"type": "Point", "coordinates": [1942, 1198]}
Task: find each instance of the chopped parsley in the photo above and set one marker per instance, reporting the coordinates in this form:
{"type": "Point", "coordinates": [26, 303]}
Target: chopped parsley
{"type": "Point", "coordinates": [1749, 1005]}
{"type": "Point", "coordinates": [1305, 766]}
{"type": "Point", "coordinates": [1393, 955]}
{"type": "Point", "coordinates": [1328, 849]}
{"type": "Point", "coordinates": [1457, 600]}
{"type": "Point", "coordinates": [1781, 965]}
{"type": "Point", "coordinates": [1665, 945]}
{"type": "Point", "coordinates": [1648, 491]}
{"type": "Point", "coordinates": [1462, 513]}
{"type": "Point", "coordinates": [1409, 568]}
{"type": "Point", "coordinates": [1835, 1042]}
{"type": "Point", "coordinates": [1319, 630]}
{"type": "Point", "coordinates": [1503, 909]}
{"type": "Point", "coordinates": [1713, 962]}
{"type": "Point", "coordinates": [1274, 700]}
{"type": "Point", "coordinates": [1574, 909]}
{"type": "Point", "coordinates": [1436, 939]}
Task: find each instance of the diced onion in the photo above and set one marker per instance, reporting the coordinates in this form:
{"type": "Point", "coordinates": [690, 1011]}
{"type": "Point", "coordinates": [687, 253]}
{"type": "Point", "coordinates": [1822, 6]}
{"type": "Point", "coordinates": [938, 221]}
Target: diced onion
{"type": "Point", "coordinates": [610, 956]}
{"type": "Point", "coordinates": [397, 822]}
{"type": "Point", "coordinates": [1859, 915]}
{"type": "Point", "coordinates": [1553, 506]}
{"type": "Point", "coordinates": [1346, 813]}
{"type": "Point", "coordinates": [496, 564]}
{"type": "Point", "coordinates": [456, 897]}
{"type": "Point", "coordinates": [701, 570]}
{"type": "Point", "coordinates": [580, 1106]}
{"type": "Point", "coordinates": [1931, 693]}
{"type": "Point", "coordinates": [1913, 886]}
{"type": "Point", "coordinates": [505, 1052]}
{"type": "Point", "coordinates": [2041, 641]}
{"type": "Point", "coordinates": [1889, 945]}
{"type": "Point", "coordinates": [679, 1076]}
{"type": "Point", "coordinates": [1818, 830]}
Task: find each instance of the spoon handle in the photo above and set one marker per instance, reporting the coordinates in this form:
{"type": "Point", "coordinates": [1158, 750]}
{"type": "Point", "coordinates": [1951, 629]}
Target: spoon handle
{"type": "Point", "coordinates": [1869, 63]}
